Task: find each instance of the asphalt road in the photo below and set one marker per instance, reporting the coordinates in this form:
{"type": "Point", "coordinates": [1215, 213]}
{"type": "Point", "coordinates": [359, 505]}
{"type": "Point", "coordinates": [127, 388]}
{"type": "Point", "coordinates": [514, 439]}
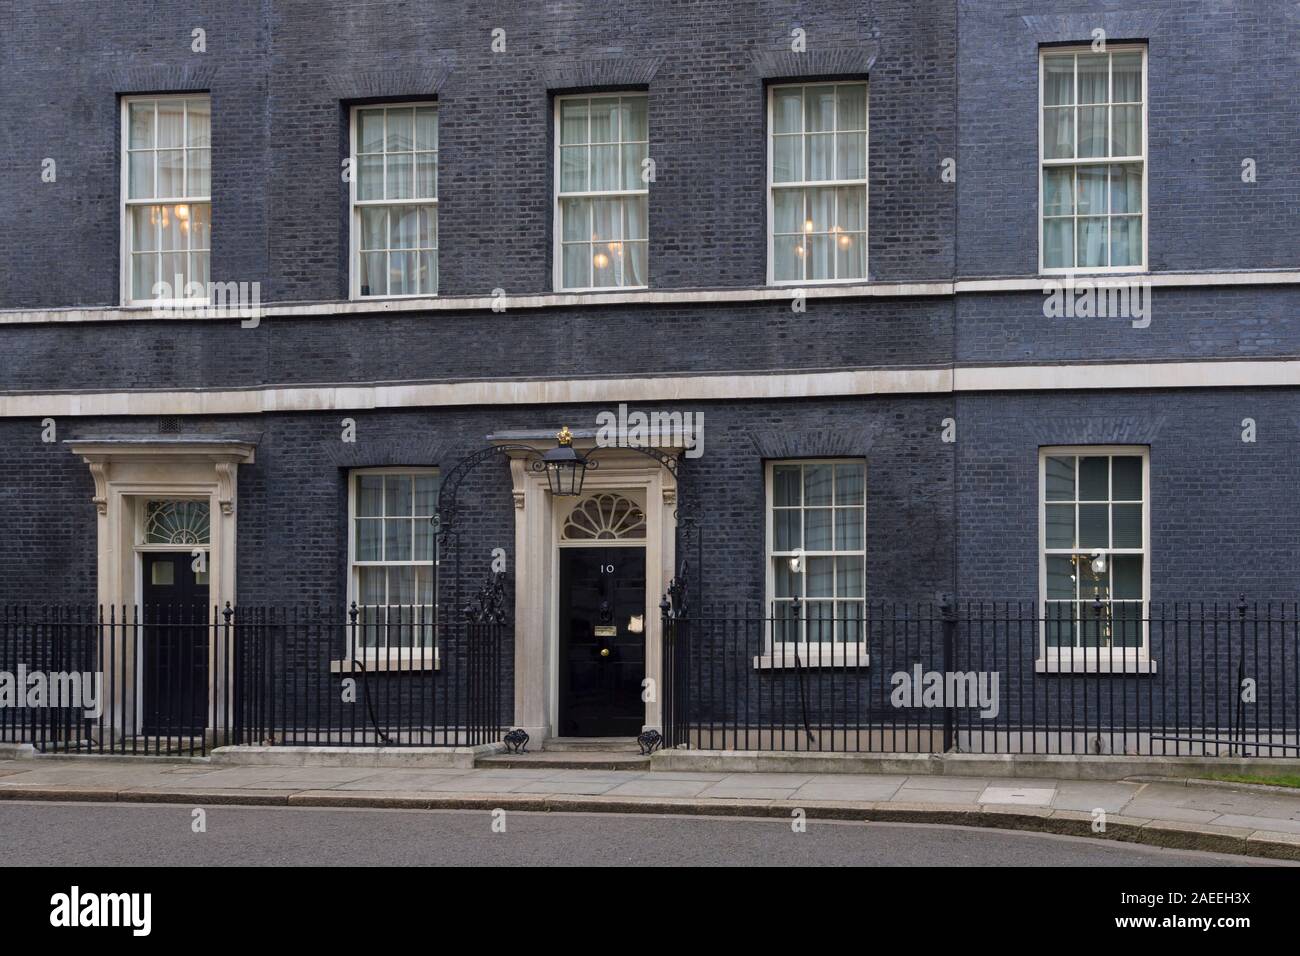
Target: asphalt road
{"type": "Point", "coordinates": [148, 835]}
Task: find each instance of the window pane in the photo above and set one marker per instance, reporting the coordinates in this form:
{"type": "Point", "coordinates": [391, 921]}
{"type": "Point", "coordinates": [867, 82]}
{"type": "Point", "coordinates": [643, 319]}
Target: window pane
{"type": "Point", "coordinates": [1094, 530]}
{"type": "Point", "coordinates": [200, 226]}
{"type": "Point", "coordinates": [372, 582]}
{"type": "Point", "coordinates": [1060, 478]}
{"type": "Point", "coordinates": [820, 211]}
{"type": "Point", "coordinates": [817, 529]}
{"type": "Point", "coordinates": [787, 159]}
{"type": "Point", "coordinates": [428, 236]}
{"type": "Point", "coordinates": [1094, 478]}
{"type": "Point", "coordinates": [1058, 243]}
{"type": "Point", "coordinates": [1094, 77]}
{"type": "Point", "coordinates": [1091, 190]}
{"type": "Point", "coordinates": [1126, 188]}
{"type": "Point", "coordinates": [200, 267]}
{"type": "Point", "coordinates": [849, 484]}
{"type": "Point", "coordinates": [370, 131]}
{"type": "Point", "coordinates": [851, 208]}
{"type": "Point", "coordinates": [370, 177]}
{"type": "Point", "coordinates": [403, 273]}
{"type": "Point", "coordinates": [851, 155]}
{"type": "Point", "coordinates": [141, 125]}
{"type": "Point", "coordinates": [198, 123]}
{"type": "Point", "coordinates": [602, 120]}
{"type": "Point", "coordinates": [1126, 574]}
{"type": "Point", "coordinates": [426, 128]}
{"type": "Point", "coordinates": [577, 266]}
{"type": "Point", "coordinates": [1126, 241]}
{"type": "Point", "coordinates": [787, 211]}
{"type": "Point", "coordinates": [144, 229]}
{"type": "Point", "coordinates": [849, 576]}
{"type": "Point", "coordinates": [852, 107]}
{"type": "Point", "coordinates": [401, 589]}
{"type": "Point", "coordinates": [787, 256]}
{"type": "Point", "coordinates": [785, 581]}
{"type": "Point", "coordinates": [633, 169]}
{"type": "Point", "coordinates": [607, 220]}
{"type": "Point", "coordinates": [850, 255]}
{"type": "Point", "coordinates": [171, 123]}
{"type": "Point", "coordinates": [374, 227]}
{"type": "Point", "coordinates": [404, 227]}
{"type": "Point", "coordinates": [401, 136]}
{"type": "Point", "coordinates": [1058, 191]}
{"type": "Point", "coordinates": [374, 273]}
{"type": "Point", "coordinates": [1060, 577]}
{"type": "Point", "coordinates": [140, 180]}
{"type": "Point", "coordinates": [397, 539]}
{"type": "Point", "coordinates": [1127, 526]}
{"type": "Point", "coordinates": [604, 270]}
{"type": "Point", "coordinates": [428, 272]}
{"type": "Point", "coordinates": [573, 122]}
{"type": "Point", "coordinates": [604, 167]}
{"type": "Point", "coordinates": [818, 484]}
{"type": "Point", "coordinates": [171, 172]}
{"type": "Point", "coordinates": [1058, 133]}
{"type": "Point", "coordinates": [1058, 80]}
{"type": "Point", "coordinates": [787, 110]}
{"type": "Point", "coordinates": [400, 184]}
{"type": "Point", "coordinates": [573, 169]}
{"type": "Point", "coordinates": [1126, 79]}
{"type": "Point", "coordinates": [636, 265]}
{"type": "Point", "coordinates": [634, 126]}
{"type": "Point", "coordinates": [144, 273]}
{"type": "Point", "coordinates": [786, 485]}
{"type": "Point", "coordinates": [199, 173]}
{"type": "Point", "coordinates": [1126, 478]}
{"type": "Point", "coordinates": [819, 156]}
{"type": "Point", "coordinates": [819, 108]}
{"type": "Point", "coordinates": [368, 536]}
{"type": "Point", "coordinates": [1093, 138]}
{"type": "Point", "coordinates": [575, 215]}
{"type": "Point", "coordinates": [787, 530]}
{"type": "Point", "coordinates": [821, 577]}
{"type": "Point", "coordinates": [397, 495]}
{"type": "Point", "coordinates": [821, 253]}
{"type": "Point", "coordinates": [1126, 130]}
{"type": "Point", "coordinates": [426, 175]}
{"type": "Point", "coordinates": [848, 529]}
{"type": "Point", "coordinates": [1060, 526]}
{"type": "Point", "coordinates": [370, 496]}
{"type": "Point", "coordinates": [1091, 242]}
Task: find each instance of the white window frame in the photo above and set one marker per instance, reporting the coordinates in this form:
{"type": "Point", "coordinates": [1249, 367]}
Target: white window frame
{"type": "Point", "coordinates": [1044, 54]}
{"type": "Point", "coordinates": [782, 654]}
{"type": "Point", "coordinates": [818, 184]}
{"type": "Point", "coordinates": [557, 237]}
{"type": "Point", "coordinates": [395, 656]}
{"type": "Point", "coordinates": [355, 205]}
{"type": "Point", "coordinates": [125, 203]}
{"type": "Point", "coordinates": [1097, 660]}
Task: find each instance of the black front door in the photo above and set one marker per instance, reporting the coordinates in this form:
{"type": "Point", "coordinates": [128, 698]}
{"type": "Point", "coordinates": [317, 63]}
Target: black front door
{"type": "Point", "coordinates": [174, 651]}
{"type": "Point", "coordinates": [602, 641]}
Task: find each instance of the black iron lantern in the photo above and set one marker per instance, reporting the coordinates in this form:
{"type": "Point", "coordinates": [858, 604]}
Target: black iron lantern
{"type": "Point", "coordinates": [564, 466]}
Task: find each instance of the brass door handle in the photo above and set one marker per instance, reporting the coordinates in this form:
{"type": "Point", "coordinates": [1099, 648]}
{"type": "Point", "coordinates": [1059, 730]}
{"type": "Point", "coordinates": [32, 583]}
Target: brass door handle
{"type": "Point", "coordinates": [604, 652]}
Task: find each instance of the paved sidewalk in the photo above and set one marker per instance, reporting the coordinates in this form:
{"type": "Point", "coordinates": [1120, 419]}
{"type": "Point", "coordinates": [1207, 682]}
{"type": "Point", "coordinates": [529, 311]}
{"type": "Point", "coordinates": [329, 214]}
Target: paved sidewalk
{"type": "Point", "coordinates": [1220, 818]}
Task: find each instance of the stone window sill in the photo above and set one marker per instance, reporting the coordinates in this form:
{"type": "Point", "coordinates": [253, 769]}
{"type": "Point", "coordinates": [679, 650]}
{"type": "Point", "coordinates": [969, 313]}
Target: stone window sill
{"type": "Point", "coordinates": [1092, 665]}
{"type": "Point", "coordinates": [405, 661]}
{"type": "Point", "coordinates": [836, 656]}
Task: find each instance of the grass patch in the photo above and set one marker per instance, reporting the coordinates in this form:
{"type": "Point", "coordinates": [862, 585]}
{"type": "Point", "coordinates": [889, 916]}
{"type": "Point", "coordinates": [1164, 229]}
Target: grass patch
{"type": "Point", "coordinates": [1282, 780]}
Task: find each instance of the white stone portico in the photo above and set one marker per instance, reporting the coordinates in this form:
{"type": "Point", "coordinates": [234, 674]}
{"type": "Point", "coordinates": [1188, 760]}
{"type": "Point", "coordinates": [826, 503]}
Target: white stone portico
{"type": "Point", "coordinates": [538, 521]}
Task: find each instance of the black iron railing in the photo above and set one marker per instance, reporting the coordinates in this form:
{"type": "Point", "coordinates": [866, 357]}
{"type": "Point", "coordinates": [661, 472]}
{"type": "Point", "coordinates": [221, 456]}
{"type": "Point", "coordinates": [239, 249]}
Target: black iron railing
{"type": "Point", "coordinates": [1182, 678]}
{"type": "Point", "coordinates": [180, 680]}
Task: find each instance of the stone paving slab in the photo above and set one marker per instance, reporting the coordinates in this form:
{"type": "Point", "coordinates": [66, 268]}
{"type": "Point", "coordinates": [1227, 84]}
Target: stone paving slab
{"type": "Point", "coordinates": [937, 795]}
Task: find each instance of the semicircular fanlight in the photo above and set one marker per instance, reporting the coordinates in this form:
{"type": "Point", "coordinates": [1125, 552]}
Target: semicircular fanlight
{"type": "Point", "coordinates": [604, 517]}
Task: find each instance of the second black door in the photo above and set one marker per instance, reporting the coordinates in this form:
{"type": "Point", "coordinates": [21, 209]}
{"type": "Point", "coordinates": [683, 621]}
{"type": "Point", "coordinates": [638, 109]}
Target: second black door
{"type": "Point", "coordinates": [174, 668]}
{"type": "Point", "coordinates": [602, 641]}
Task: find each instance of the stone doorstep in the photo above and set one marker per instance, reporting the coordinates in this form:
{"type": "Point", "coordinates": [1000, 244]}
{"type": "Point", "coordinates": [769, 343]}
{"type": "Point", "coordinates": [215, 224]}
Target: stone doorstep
{"type": "Point", "coordinates": [411, 758]}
